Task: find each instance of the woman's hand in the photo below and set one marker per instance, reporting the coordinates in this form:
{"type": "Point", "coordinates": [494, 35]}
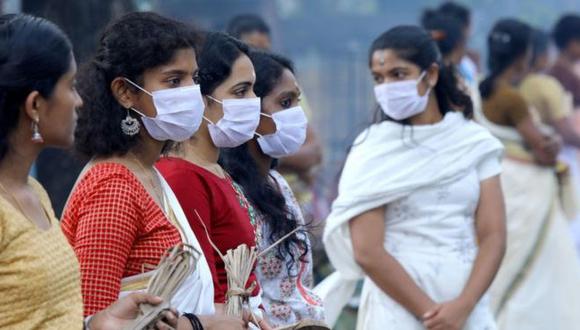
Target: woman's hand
{"type": "Point", "coordinates": [450, 315]}
{"type": "Point", "coordinates": [121, 313]}
{"type": "Point", "coordinates": [550, 148]}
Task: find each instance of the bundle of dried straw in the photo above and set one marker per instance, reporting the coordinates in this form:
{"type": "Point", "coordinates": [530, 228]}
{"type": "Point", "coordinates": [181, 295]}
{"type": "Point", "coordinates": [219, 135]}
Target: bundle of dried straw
{"type": "Point", "coordinates": [239, 264]}
{"type": "Point", "coordinates": [178, 263]}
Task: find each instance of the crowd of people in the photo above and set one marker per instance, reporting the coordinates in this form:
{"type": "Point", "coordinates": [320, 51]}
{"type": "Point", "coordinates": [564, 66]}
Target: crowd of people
{"type": "Point", "coordinates": [456, 207]}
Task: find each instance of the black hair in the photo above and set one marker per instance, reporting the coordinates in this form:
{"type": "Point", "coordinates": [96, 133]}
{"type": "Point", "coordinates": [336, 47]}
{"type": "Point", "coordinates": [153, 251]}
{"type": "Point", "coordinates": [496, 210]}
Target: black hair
{"type": "Point", "coordinates": [507, 42]}
{"type": "Point", "coordinates": [246, 23]}
{"type": "Point", "coordinates": [566, 30]}
{"type": "Point", "coordinates": [461, 13]}
{"type": "Point", "coordinates": [446, 30]}
{"type": "Point", "coordinates": [260, 190]}
{"type": "Point", "coordinates": [416, 45]}
{"type": "Point", "coordinates": [540, 44]}
{"type": "Point", "coordinates": [216, 60]}
{"type": "Point", "coordinates": [34, 55]}
{"type": "Point", "coordinates": [128, 46]}
{"type": "Point", "coordinates": [269, 68]}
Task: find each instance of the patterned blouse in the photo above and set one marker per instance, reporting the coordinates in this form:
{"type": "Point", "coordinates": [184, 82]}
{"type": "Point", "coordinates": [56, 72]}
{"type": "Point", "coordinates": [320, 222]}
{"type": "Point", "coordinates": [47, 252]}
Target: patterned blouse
{"type": "Point", "coordinates": [116, 230]}
{"type": "Point", "coordinates": [286, 296]}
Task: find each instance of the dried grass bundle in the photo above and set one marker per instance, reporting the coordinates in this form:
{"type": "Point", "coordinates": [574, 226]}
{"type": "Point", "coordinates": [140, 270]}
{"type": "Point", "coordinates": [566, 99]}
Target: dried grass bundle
{"type": "Point", "coordinates": [176, 265]}
{"type": "Point", "coordinates": [239, 264]}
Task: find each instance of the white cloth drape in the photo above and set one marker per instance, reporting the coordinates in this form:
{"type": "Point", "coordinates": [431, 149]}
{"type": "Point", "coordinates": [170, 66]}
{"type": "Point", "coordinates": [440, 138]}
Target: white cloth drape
{"type": "Point", "coordinates": [196, 294]}
{"type": "Point", "coordinates": [387, 162]}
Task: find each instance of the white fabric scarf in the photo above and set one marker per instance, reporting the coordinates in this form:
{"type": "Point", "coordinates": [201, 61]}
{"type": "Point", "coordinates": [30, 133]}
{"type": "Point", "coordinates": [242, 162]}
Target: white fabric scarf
{"type": "Point", "coordinates": [387, 162]}
{"type": "Point", "coordinates": [196, 294]}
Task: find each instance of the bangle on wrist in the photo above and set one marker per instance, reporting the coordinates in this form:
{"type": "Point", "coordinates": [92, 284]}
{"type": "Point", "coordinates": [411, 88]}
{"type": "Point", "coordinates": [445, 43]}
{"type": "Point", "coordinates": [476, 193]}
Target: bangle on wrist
{"type": "Point", "coordinates": [87, 321]}
{"type": "Point", "coordinates": [194, 320]}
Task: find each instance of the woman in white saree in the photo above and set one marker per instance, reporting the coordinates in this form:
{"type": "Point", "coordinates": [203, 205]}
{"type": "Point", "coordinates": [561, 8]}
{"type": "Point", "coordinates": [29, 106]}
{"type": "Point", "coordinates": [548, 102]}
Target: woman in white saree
{"type": "Point", "coordinates": [538, 284]}
{"type": "Point", "coordinates": [417, 192]}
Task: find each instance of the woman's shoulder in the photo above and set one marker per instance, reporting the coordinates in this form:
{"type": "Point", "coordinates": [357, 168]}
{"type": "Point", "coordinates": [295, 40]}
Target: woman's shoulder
{"type": "Point", "coordinates": [282, 184]}
{"type": "Point", "coordinates": [104, 174]}
{"type": "Point", "coordinates": [41, 192]}
{"type": "Point", "coordinates": [510, 102]}
{"type": "Point", "coordinates": [177, 169]}
{"type": "Point", "coordinates": [279, 179]}
{"type": "Point", "coordinates": [541, 83]}
{"type": "Point", "coordinates": [505, 93]}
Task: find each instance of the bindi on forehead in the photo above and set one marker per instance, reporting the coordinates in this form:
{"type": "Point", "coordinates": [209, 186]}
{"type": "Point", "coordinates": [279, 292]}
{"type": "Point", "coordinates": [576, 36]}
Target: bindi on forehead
{"type": "Point", "coordinates": [382, 58]}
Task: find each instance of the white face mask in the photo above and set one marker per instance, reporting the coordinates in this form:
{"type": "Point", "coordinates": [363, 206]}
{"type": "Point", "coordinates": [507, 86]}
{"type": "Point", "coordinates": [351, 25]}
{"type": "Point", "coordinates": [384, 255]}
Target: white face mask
{"type": "Point", "coordinates": [179, 112]}
{"type": "Point", "coordinates": [239, 123]}
{"type": "Point", "coordinates": [290, 133]}
{"type": "Point", "coordinates": [401, 100]}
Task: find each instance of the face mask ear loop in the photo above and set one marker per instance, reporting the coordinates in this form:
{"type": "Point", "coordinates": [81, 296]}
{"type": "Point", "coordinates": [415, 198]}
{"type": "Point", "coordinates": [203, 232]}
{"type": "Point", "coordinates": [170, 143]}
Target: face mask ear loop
{"type": "Point", "coordinates": [137, 86]}
{"type": "Point", "coordinates": [421, 76]}
{"type": "Point", "coordinates": [138, 112]}
{"type": "Point", "coordinates": [206, 119]}
{"type": "Point", "coordinates": [420, 79]}
{"type": "Point", "coordinates": [214, 99]}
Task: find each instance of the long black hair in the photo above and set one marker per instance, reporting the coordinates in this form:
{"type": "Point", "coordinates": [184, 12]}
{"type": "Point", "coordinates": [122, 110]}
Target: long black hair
{"type": "Point", "coordinates": [416, 45]}
{"type": "Point", "coordinates": [259, 189]}
{"type": "Point", "coordinates": [128, 46]}
{"type": "Point", "coordinates": [507, 42]}
{"type": "Point", "coordinates": [34, 55]}
{"type": "Point", "coordinates": [216, 60]}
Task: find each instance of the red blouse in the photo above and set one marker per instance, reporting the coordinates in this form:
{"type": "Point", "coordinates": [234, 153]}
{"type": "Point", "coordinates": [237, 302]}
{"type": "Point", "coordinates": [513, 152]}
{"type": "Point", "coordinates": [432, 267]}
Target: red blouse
{"type": "Point", "coordinates": [116, 230]}
{"type": "Point", "coordinates": [222, 207]}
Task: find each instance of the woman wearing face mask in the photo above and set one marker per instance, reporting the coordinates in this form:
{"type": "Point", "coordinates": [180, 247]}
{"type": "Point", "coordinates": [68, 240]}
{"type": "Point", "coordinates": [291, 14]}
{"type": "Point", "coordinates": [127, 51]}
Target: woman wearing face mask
{"type": "Point", "coordinates": [232, 114]}
{"type": "Point", "coordinates": [122, 217]}
{"type": "Point", "coordinates": [40, 275]}
{"type": "Point", "coordinates": [285, 273]}
{"type": "Point", "coordinates": [419, 213]}
{"type": "Point", "coordinates": [538, 236]}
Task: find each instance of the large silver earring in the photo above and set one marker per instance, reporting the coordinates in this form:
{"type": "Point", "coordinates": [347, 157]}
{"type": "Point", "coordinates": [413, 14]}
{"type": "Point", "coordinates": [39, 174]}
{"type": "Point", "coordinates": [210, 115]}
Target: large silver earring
{"type": "Point", "coordinates": [36, 136]}
{"type": "Point", "coordinates": [130, 126]}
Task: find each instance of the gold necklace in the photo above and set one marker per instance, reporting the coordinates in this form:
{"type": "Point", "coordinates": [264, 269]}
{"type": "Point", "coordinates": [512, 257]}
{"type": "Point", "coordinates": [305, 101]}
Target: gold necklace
{"type": "Point", "coordinates": [149, 175]}
{"type": "Point", "coordinates": [18, 205]}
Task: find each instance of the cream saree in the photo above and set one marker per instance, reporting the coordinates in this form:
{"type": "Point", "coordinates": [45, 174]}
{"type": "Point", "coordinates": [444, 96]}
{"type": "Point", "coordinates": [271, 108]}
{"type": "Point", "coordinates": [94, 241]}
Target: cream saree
{"type": "Point", "coordinates": [538, 283]}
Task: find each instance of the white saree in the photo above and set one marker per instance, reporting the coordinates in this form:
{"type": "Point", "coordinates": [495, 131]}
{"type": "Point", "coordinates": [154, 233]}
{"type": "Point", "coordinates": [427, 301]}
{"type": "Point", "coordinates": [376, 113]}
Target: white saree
{"type": "Point", "coordinates": [538, 283]}
{"type": "Point", "coordinates": [420, 174]}
{"type": "Point", "coordinates": [196, 293]}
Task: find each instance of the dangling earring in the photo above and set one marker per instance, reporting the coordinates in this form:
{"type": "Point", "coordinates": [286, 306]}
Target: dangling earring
{"type": "Point", "coordinates": [36, 137]}
{"type": "Point", "coordinates": [130, 126]}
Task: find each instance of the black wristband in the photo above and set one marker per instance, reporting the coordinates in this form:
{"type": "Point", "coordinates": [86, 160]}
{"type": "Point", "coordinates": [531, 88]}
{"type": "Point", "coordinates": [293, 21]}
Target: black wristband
{"type": "Point", "coordinates": [194, 320]}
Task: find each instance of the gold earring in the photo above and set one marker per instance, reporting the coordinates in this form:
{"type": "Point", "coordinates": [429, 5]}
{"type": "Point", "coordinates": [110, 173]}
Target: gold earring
{"type": "Point", "coordinates": [36, 136]}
